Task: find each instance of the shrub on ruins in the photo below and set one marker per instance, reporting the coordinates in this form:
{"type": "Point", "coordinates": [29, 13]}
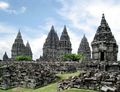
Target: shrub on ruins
{"type": "Point", "coordinates": [72, 57]}
{"type": "Point", "coordinates": [23, 58]}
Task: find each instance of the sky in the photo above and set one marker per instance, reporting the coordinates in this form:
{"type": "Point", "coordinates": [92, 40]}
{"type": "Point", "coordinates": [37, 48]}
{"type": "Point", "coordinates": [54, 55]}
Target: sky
{"type": "Point", "coordinates": [34, 19]}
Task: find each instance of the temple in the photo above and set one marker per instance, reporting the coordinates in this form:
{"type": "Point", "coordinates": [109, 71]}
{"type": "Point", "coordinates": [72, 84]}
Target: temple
{"type": "Point", "coordinates": [28, 50]}
{"type": "Point", "coordinates": [84, 49]}
{"type": "Point", "coordinates": [104, 46]}
{"type": "Point", "coordinates": [19, 49]}
{"type": "Point", "coordinates": [50, 46]}
{"type": "Point", "coordinates": [5, 57]}
{"type": "Point", "coordinates": [64, 43]}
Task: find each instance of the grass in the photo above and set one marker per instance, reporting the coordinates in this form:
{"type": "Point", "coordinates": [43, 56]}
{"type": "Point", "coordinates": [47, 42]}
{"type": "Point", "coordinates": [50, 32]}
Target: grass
{"type": "Point", "coordinates": [51, 87]}
{"type": "Point", "coordinates": [67, 75]}
{"type": "Point", "coordinates": [78, 90]}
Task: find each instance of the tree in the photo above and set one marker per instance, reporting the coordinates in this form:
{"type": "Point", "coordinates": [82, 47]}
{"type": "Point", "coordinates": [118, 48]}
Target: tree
{"type": "Point", "coordinates": [23, 58]}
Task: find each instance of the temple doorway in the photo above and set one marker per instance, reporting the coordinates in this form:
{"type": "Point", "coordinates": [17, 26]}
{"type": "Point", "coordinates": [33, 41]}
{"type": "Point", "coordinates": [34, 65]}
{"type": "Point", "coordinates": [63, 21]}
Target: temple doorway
{"type": "Point", "coordinates": [102, 56]}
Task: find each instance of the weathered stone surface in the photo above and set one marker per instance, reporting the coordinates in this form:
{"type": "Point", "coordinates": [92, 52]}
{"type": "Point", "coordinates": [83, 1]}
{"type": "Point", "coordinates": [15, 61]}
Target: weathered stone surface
{"type": "Point", "coordinates": [85, 49]}
{"type": "Point", "coordinates": [94, 80]}
{"type": "Point", "coordinates": [28, 50]}
{"type": "Point", "coordinates": [50, 47]}
{"type": "Point", "coordinates": [19, 49]}
{"type": "Point", "coordinates": [25, 74]}
{"type": "Point", "coordinates": [64, 44]}
{"type": "Point", "coordinates": [61, 67]}
{"type": "Point", "coordinates": [104, 46]}
{"type": "Point", "coordinates": [5, 57]}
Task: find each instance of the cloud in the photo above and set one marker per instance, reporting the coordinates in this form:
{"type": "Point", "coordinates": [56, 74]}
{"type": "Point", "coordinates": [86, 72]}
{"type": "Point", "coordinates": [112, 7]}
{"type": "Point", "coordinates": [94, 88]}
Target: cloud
{"type": "Point", "coordinates": [4, 6]}
{"type": "Point", "coordinates": [23, 9]}
{"type": "Point", "coordinates": [85, 16]}
{"type": "Point", "coordinates": [16, 12]}
{"type": "Point", "coordinates": [37, 46]}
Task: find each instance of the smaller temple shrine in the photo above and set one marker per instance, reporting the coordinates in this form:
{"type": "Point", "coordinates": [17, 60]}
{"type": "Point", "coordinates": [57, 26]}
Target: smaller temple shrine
{"type": "Point", "coordinates": [84, 49]}
{"type": "Point", "coordinates": [19, 49]}
{"type": "Point", "coordinates": [104, 46]}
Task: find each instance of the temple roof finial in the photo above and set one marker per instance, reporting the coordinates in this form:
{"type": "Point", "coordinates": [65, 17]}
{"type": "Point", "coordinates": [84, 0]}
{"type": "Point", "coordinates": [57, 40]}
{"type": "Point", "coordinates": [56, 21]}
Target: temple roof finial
{"type": "Point", "coordinates": [52, 28]}
{"type": "Point", "coordinates": [84, 39]}
{"type": "Point", "coordinates": [65, 30]}
{"type": "Point", "coordinates": [65, 35]}
{"type": "Point", "coordinates": [103, 20]}
{"type": "Point", "coordinates": [19, 30]}
{"type": "Point", "coordinates": [19, 35]}
{"type": "Point", "coordinates": [84, 36]}
{"type": "Point", "coordinates": [103, 16]}
{"type": "Point", "coordinates": [64, 26]}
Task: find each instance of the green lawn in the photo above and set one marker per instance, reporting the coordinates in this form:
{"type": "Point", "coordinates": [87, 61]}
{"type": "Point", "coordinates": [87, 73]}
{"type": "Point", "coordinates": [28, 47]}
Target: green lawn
{"type": "Point", "coordinates": [49, 88]}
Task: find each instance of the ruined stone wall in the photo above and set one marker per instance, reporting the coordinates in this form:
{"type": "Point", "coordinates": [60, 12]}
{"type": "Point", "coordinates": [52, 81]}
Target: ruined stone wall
{"type": "Point", "coordinates": [32, 74]}
{"type": "Point", "coordinates": [24, 74]}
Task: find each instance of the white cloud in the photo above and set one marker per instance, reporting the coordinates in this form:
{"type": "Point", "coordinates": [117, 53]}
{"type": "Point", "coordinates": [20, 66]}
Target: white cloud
{"type": "Point", "coordinates": [37, 45]}
{"type": "Point", "coordinates": [14, 11]}
{"type": "Point", "coordinates": [75, 40]}
{"type": "Point", "coordinates": [4, 5]}
{"type": "Point", "coordinates": [7, 8]}
{"type": "Point", "coordinates": [85, 16]}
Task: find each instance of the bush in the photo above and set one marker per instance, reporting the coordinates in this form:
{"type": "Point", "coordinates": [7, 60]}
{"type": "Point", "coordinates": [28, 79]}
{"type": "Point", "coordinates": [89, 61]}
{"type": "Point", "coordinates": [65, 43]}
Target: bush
{"type": "Point", "coordinates": [23, 58]}
{"type": "Point", "coordinates": [72, 57]}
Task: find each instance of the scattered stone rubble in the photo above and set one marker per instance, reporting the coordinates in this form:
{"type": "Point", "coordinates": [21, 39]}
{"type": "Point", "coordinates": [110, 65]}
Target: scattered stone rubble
{"type": "Point", "coordinates": [102, 81]}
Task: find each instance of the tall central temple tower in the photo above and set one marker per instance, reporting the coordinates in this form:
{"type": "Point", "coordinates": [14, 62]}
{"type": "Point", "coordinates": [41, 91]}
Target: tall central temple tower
{"type": "Point", "coordinates": [104, 46]}
{"type": "Point", "coordinates": [64, 43]}
{"type": "Point", "coordinates": [50, 46]}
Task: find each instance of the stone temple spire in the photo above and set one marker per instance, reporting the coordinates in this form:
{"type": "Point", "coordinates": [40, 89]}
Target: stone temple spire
{"type": "Point", "coordinates": [18, 47]}
{"type": "Point", "coordinates": [19, 35]}
{"type": "Point", "coordinates": [103, 21]}
{"type": "Point", "coordinates": [52, 39]}
{"type": "Point", "coordinates": [28, 50]}
{"type": "Point", "coordinates": [50, 46]}
{"type": "Point", "coordinates": [19, 38]}
{"type": "Point", "coordinates": [103, 31]}
{"type": "Point", "coordinates": [84, 49]}
{"type": "Point", "coordinates": [104, 46]}
{"type": "Point", "coordinates": [65, 35]}
{"type": "Point", "coordinates": [5, 57]}
{"type": "Point", "coordinates": [64, 43]}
